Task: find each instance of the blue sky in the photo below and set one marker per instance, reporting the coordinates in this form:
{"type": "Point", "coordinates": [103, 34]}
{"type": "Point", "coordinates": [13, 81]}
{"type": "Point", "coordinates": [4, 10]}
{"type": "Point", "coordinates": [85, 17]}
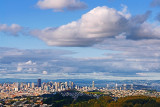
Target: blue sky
{"type": "Point", "coordinates": [112, 39]}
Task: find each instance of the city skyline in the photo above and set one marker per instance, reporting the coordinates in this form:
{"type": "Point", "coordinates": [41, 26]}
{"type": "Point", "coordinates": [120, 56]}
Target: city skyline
{"type": "Point", "coordinates": [23, 94]}
{"type": "Point", "coordinates": [80, 39]}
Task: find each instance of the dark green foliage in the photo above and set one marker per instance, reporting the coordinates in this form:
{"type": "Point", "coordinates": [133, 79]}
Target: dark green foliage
{"type": "Point", "coordinates": [131, 101]}
{"type": "Point", "coordinates": [58, 100]}
{"type": "Point", "coordinates": [101, 102]}
{"type": "Point", "coordinates": [84, 98]}
{"type": "Point", "coordinates": [104, 101]}
{"type": "Point", "coordinates": [137, 101]}
{"type": "Point", "coordinates": [94, 92]}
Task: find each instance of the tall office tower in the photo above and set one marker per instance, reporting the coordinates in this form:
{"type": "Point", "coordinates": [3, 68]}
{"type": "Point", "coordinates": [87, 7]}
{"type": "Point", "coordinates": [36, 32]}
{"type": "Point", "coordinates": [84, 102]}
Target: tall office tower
{"type": "Point", "coordinates": [47, 88]}
{"type": "Point", "coordinates": [17, 86]}
{"type": "Point", "coordinates": [29, 85]}
{"type": "Point", "coordinates": [107, 86]}
{"type": "Point", "coordinates": [66, 84]}
{"type": "Point", "coordinates": [92, 84]}
{"type": "Point", "coordinates": [131, 86]}
{"type": "Point", "coordinates": [53, 86]}
{"type": "Point", "coordinates": [26, 86]}
{"type": "Point", "coordinates": [116, 86]}
{"type": "Point", "coordinates": [124, 86]}
{"type": "Point", "coordinates": [43, 84]}
{"type": "Point", "coordinates": [39, 83]}
{"type": "Point", "coordinates": [21, 86]}
{"type": "Point", "coordinates": [76, 87]}
{"type": "Point", "coordinates": [32, 84]}
{"type": "Point", "coordinates": [62, 86]}
{"type": "Point", "coordinates": [51, 83]}
{"type": "Point", "coordinates": [56, 86]}
{"type": "Point", "coordinates": [70, 84]}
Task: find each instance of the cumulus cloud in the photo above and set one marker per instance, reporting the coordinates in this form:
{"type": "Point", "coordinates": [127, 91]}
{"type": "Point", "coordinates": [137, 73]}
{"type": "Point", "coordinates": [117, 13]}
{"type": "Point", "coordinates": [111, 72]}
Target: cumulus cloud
{"type": "Point", "coordinates": [144, 31]}
{"type": "Point", "coordinates": [60, 5]}
{"type": "Point", "coordinates": [93, 27]}
{"type": "Point", "coordinates": [13, 29]}
{"type": "Point", "coordinates": [139, 19]}
{"type": "Point", "coordinates": [155, 3]}
{"type": "Point", "coordinates": [29, 63]}
{"type": "Point", "coordinates": [19, 68]}
{"type": "Point", "coordinates": [45, 72]}
{"type": "Point", "coordinates": [27, 66]}
{"type": "Point", "coordinates": [97, 25]}
{"type": "Point", "coordinates": [125, 12]}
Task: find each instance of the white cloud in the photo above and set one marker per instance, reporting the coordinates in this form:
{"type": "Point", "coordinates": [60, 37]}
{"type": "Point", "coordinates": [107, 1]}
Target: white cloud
{"type": "Point", "coordinates": [28, 66]}
{"type": "Point", "coordinates": [145, 31]}
{"type": "Point", "coordinates": [60, 5]}
{"type": "Point", "coordinates": [93, 27]}
{"type": "Point", "coordinates": [29, 63]}
{"type": "Point", "coordinates": [99, 24]}
{"type": "Point", "coordinates": [19, 68]}
{"type": "Point", "coordinates": [141, 55]}
{"type": "Point", "coordinates": [45, 72]}
{"type": "Point", "coordinates": [125, 12]}
{"type": "Point", "coordinates": [141, 74]}
{"type": "Point", "coordinates": [131, 58]}
{"type": "Point", "coordinates": [14, 29]}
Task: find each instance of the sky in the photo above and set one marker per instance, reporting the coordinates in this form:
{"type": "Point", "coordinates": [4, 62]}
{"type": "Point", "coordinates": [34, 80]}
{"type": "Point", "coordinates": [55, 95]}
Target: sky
{"type": "Point", "coordinates": [80, 39]}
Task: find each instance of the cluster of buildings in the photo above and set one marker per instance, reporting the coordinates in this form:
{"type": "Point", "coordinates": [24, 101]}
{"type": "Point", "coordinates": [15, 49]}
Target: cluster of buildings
{"type": "Point", "coordinates": [35, 89]}
{"type": "Point", "coordinates": [123, 93]}
{"type": "Point", "coordinates": [23, 102]}
{"type": "Point", "coordinates": [19, 92]}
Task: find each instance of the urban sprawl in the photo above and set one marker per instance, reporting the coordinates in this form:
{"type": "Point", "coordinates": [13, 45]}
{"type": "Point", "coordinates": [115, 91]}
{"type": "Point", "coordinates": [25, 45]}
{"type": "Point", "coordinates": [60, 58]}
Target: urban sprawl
{"type": "Point", "coordinates": [20, 91]}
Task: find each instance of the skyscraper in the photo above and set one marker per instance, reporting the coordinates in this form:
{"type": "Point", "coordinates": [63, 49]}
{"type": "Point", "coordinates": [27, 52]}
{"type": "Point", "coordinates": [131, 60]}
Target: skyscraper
{"type": "Point", "coordinates": [72, 85]}
{"type": "Point", "coordinates": [131, 86]}
{"type": "Point", "coordinates": [124, 86]}
{"type": "Point", "coordinates": [39, 83]}
{"type": "Point", "coordinates": [29, 85]}
{"type": "Point", "coordinates": [116, 86]}
{"type": "Point", "coordinates": [107, 86]}
{"type": "Point", "coordinates": [32, 84]}
{"type": "Point", "coordinates": [92, 84]}
{"type": "Point", "coordinates": [17, 86]}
